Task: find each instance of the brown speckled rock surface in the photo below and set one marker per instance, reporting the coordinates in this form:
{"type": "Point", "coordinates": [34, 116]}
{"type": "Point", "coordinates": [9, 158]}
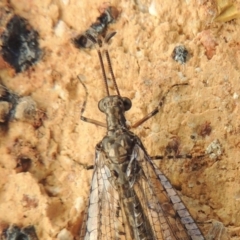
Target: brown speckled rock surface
{"type": "Point", "coordinates": [43, 177]}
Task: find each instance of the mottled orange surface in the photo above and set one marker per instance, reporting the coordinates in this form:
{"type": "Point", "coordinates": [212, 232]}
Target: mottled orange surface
{"type": "Point", "coordinates": [52, 193]}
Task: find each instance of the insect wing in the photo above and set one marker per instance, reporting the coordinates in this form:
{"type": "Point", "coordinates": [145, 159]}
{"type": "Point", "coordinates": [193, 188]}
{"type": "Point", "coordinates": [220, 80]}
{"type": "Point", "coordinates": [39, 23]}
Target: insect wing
{"type": "Point", "coordinates": [104, 218]}
{"type": "Point", "coordinates": [168, 216]}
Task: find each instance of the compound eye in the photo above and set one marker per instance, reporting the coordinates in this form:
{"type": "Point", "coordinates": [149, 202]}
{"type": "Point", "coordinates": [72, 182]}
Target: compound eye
{"type": "Point", "coordinates": [127, 103]}
{"type": "Point", "coordinates": [102, 105]}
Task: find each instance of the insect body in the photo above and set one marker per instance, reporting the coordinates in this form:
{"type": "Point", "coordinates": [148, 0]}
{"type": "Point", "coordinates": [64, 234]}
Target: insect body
{"type": "Point", "coordinates": [130, 198]}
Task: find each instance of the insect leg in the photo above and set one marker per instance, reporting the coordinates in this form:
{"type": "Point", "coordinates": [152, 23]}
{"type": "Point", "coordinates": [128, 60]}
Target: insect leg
{"type": "Point", "coordinates": [89, 120]}
{"type": "Point", "coordinates": [157, 109]}
{"type": "Point", "coordinates": [159, 157]}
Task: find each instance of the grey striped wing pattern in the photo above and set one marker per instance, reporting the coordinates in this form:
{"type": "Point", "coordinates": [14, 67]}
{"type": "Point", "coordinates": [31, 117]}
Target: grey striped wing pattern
{"type": "Point", "coordinates": [157, 207]}
{"type": "Point", "coordinates": [169, 217]}
{"type": "Point", "coordinates": [103, 218]}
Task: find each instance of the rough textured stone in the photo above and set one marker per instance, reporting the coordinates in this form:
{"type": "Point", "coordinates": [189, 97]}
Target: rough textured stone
{"type": "Point", "coordinates": [52, 195]}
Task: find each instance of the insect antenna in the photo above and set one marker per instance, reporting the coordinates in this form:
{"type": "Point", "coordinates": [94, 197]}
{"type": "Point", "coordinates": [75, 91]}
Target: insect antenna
{"type": "Point", "coordinates": [107, 39]}
{"type": "Point", "coordinates": [99, 44]}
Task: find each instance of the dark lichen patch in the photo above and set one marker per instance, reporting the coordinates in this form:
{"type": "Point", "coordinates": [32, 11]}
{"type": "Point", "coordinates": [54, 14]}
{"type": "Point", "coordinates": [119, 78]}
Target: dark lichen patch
{"type": "Point", "coordinates": [4, 111]}
{"type": "Point", "coordinates": [173, 146]}
{"type": "Point", "coordinates": [14, 107]}
{"type": "Point", "coordinates": [180, 54]}
{"type": "Point", "coordinates": [8, 103]}
{"type": "Point", "coordinates": [20, 47]}
{"type": "Point", "coordinates": [15, 233]}
{"type": "Point", "coordinates": [23, 164]}
{"type": "Point", "coordinates": [109, 14]}
{"type": "Point", "coordinates": [204, 129]}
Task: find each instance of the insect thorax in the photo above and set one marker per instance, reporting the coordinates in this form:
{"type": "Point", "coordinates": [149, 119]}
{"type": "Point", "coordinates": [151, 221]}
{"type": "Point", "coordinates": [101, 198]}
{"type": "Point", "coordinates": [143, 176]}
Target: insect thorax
{"type": "Point", "coordinates": [118, 146]}
{"type": "Point", "coordinates": [119, 142]}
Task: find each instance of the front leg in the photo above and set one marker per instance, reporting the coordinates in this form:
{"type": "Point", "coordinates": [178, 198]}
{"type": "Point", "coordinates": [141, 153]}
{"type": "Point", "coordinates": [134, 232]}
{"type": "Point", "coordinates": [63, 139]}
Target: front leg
{"type": "Point", "coordinates": [157, 109]}
{"type": "Point", "coordinates": [89, 120]}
